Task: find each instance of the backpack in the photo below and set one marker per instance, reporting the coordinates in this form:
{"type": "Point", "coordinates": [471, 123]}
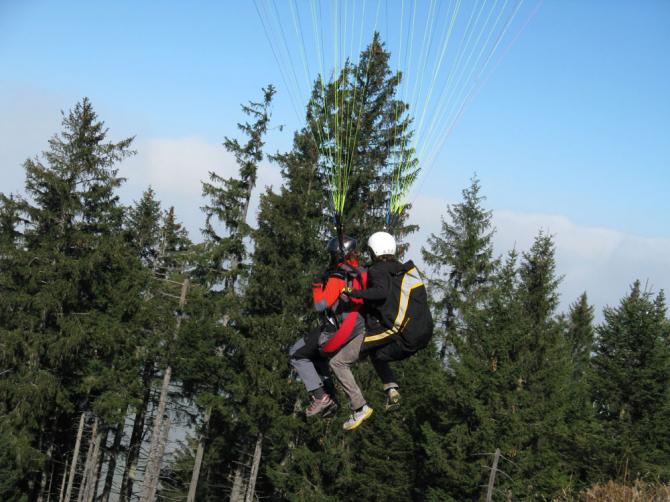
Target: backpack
{"type": "Point", "coordinates": [406, 312]}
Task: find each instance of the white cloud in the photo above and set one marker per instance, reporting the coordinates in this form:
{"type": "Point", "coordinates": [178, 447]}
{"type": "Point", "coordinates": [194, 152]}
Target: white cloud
{"type": "Point", "coordinates": [603, 262]}
{"type": "Point", "coordinates": [176, 167]}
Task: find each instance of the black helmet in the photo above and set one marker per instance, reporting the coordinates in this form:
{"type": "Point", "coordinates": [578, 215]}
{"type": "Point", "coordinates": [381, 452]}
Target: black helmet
{"type": "Point", "coordinates": [339, 252]}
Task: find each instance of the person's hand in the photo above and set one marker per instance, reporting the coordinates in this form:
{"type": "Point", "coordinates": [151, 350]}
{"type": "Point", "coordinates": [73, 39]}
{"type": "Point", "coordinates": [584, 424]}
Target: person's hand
{"type": "Point", "coordinates": [345, 292]}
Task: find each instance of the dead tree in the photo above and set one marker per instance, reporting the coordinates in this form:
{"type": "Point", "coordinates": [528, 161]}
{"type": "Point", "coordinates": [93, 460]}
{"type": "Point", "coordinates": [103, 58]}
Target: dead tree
{"type": "Point", "coordinates": [239, 488]}
{"type": "Point", "coordinates": [193, 487]}
{"type": "Point", "coordinates": [90, 467]}
{"type": "Point", "coordinates": [492, 476]}
{"type": "Point", "coordinates": [251, 486]}
{"type": "Point", "coordinates": [111, 464]}
{"type": "Point", "coordinates": [133, 452]}
{"type": "Point", "coordinates": [159, 435]}
{"type": "Point", "coordinates": [75, 458]}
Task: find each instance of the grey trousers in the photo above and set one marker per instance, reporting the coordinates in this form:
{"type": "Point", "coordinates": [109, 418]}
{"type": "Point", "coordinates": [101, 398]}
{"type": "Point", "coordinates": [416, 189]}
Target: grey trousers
{"type": "Point", "coordinates": [310, 373]}
{"type": "Point", "coordinates": [341, 363]}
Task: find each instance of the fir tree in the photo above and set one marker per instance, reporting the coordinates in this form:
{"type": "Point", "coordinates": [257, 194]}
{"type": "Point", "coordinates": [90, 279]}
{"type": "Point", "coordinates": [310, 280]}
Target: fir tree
{"type": "Point", "coordinates": [463, 255]}
{"type": "Point", "coordinates": [68, 291]}
{"type": "Point", "coordinates": [143, 227]}
{"type": "Point", "coordinates": [580, 334]}
{"type": "Point", "coordinates": [583, 443]}
{"type": "Point", "coordinates": [544, 375]}
{"type": "Point", "coordinates": [631, 374]}
{"type": "Point", "coordinates": [362, 128]}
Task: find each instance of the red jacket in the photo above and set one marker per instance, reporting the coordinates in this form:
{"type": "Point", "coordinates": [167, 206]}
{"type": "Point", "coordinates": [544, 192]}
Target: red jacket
{"type": "Point", "coordinates": [328, 296]}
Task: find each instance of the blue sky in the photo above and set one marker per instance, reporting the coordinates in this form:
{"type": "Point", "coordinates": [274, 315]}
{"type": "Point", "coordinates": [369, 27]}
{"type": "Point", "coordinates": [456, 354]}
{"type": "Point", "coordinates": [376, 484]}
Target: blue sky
{"type": "Point", "coordinates": [573, 124]}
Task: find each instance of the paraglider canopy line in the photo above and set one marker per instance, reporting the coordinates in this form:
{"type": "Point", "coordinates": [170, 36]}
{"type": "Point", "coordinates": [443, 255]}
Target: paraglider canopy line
{"type": "Point", "coordinates": [439, 68]}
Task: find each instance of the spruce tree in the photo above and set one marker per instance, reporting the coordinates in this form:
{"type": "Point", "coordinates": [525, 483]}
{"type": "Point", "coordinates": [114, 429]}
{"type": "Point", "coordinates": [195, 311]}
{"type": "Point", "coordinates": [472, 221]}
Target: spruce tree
{"type": "Point", "coordinates": [544, 376]}
{"type": "Point", "coordinates": [68, 291]}
{"type": "Point", "coordinates": [584, 438]}
{"type": "Point", "coordinates": [462, 257]}
{"type": "Point", "coordinates": [581, 334]}
{"type": "Point", "coordinates": [631, 377]}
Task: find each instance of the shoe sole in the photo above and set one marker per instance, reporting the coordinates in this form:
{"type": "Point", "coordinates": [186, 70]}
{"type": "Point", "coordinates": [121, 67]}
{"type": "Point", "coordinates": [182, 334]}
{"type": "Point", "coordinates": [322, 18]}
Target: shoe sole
{"type": "Point", "coordinates": [367, 415]}
{"type": "Point", "coordinates": [392, 406]}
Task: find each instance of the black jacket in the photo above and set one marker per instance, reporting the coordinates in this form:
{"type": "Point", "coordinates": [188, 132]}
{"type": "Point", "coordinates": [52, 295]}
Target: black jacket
{"type": "Point", "coordinates": [396, 305]}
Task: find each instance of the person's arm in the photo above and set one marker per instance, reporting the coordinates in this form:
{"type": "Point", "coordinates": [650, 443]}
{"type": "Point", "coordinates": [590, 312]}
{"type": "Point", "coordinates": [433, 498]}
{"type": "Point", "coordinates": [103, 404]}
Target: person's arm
{"type": "Point", "coordinates": [378, 286]}
{"type": "Point", "coordinates": [326, 295]}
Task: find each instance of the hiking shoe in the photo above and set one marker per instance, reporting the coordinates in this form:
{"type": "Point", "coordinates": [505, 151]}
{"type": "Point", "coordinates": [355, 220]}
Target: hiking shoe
{"type": "Point", "coordinates": [392, 399]}
{"type": "Point", "coordinates": [331, 410]}
{"type": "Point", "coordinates": [357, 418]}
{"type": "Point", "coordinates": [320, 405]}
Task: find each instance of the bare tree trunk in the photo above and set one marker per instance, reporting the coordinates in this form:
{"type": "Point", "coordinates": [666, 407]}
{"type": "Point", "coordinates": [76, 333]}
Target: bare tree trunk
{"type": "Point", "coordinates": [159, 435]}
{"type": "Point", "coordinates": [75, 458]}
{"type": "Point", "coordinates": [136, 436]}
{"type": "Point", "coordinates": [62, 483]}
{"type": "Point", "coordinates": [88, 466]}
{"type": "Point", "coordinates": [111, 465]}
{"type": "Point", "coordinates": [94, 471]}
{"type": "Point", "coordinates": [492, 476]}
{"type": "Point", "coordinates": [43, 482]}
{"type": "Point", "coordinates": [193, 487]}
{"type": "Point", "coordinates": [251, 487]}
{"type": "Point", "coordinates": [101, 459]}
{"type": "Point", "coordinates": [51, 479]}
{"type": "Point", "coordinates": [152, 474]}
{"type": "Point", "coordinates": [153, 463]}
{"type": "Point", "coordinates": [239, 479]}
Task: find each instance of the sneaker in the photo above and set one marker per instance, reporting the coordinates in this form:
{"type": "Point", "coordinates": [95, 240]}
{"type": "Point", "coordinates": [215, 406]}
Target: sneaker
{"type": "Point", "coordinates": [320, 405]}
{"type": "Point", "coordinates": [357, 418]}
{"type": "Point", "coordinates": [392, 399]}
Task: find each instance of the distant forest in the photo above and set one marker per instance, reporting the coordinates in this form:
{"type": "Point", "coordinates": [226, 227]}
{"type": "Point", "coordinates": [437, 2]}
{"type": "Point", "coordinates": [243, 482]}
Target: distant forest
{"type": "Point", "coordinates": [136, 364]}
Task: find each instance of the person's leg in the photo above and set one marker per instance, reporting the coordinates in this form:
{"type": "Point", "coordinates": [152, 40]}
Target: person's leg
{"type": "Point", "coordinates": [300, 359]}
{"type": "Point", "coordinates": [380, 359]}
{"type": "Point", "coordinates": [323, 369]}
{"type": "Point", "coordinates": [303, 355]}
{"type": "Point", "coordinates": [340, 364]}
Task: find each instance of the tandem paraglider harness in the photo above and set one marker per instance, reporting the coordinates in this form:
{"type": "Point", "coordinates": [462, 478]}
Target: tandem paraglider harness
{"type": "Point", "coordinates": [339, 322]}
{"type": "Point", "coordinates": [404, 317]}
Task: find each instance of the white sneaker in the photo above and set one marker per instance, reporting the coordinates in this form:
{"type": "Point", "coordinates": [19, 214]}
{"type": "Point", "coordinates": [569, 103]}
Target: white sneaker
{"type": "Point", "coordinates": [357, 418]}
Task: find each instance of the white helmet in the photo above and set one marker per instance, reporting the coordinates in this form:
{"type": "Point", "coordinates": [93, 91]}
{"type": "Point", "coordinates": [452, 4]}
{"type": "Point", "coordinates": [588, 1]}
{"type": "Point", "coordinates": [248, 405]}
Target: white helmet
{"type": "Point", "coordinates": [382, 243]}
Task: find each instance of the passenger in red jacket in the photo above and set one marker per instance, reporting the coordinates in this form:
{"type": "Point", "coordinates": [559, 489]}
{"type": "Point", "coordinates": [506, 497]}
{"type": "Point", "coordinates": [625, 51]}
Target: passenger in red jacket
{"type": "Point", "coordinates": [337, 341]}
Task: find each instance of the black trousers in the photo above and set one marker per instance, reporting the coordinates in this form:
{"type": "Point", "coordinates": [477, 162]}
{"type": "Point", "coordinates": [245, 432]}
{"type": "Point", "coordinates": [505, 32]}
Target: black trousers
{"type": "Point", "coordinates": [382, 355]}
